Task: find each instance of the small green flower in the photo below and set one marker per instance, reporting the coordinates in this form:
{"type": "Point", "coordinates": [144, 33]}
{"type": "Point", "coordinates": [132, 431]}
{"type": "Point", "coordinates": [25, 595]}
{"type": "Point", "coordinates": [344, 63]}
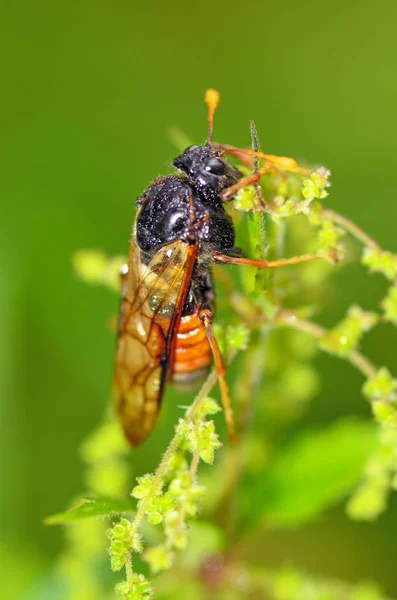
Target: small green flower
{"type": "Point", "coordinates": [123, 538]}
{"type": "Point", "coordinates": [237, 336]}
{"type": "Point", "coordinates": [94, 268]}
{"type": "Point", "coordinates": [158, 558]}
{"type": "Point", "coordinates": [121, 531]}
{"type": "Point", "coordinates": [187, 493]}
{"type": "Point", "coordinates": [187, 432]}
{"type": "Point", "coordinates": [176, 530]}
{"type": "Point", "coordinates": [347, 334]}
{"type": "Point", "coordinates": [208, 441]}
{"type": "Point", "coordinates": [207, 406]}
{"type": "Point", "coordinates": [287, 208]}
{"type": "Point", "coordinates": [180, 485]}
{"type": "Point", "coordinates": [90, 265]}
{"type": "Point", "coordinates": [381, 387]}
{"type": "Point", "coordinates": [138, 589]}
{"type": "Point", "coordinates": [384, 413]}
{"type": "Point", "coordinates": [144, 486]}
{"type": "Point", "coordinates": [380, 261]}
{"type": "Point", "coordinates": [200, 434]}
{"type": "Point", "coordinates": [245, 199]}
{"type": "Point", "coordinates": [315, 217]}
{"type": "Point", "coordinates": [177, 464]}
{"type": "Point", "coordinates": [158, 507]}
{"type": "Point", "coordinates": [314, 185]}
{"type": "Point", "coordinates": [389, 305]}
{"type": "Point", "coordinates": [111, 277]}
{"type": "Point", "coordinates": [369, 500]}
{"type": "Point", "coordinates": [282, 188]}
{"type": "Point", "coordinates": [329, 236]}
{"type": "Point", "coordinates": [117, 563]}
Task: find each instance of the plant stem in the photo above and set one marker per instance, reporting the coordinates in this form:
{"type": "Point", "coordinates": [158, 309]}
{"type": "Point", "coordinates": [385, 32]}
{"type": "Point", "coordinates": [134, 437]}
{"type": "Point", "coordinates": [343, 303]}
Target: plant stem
{"type": "Point", "coordinates": [193, 473]}
{"type": "Point", "coordinates": [358, 360]}
{"type": "Point", "coordinates": [168, 454]}
{"type": "Point", "coordinates": [195, 463]}
{"type": "Point", "coordinates": [128, 569]}
{"type": "Point", "coordinates": [351, 227]}
{"type": "Point", "coordinates": [173, 446]}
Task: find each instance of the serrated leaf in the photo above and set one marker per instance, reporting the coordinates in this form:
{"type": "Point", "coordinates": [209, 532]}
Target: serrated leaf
{"type": "Point", "coordinates": [315, 470]}
{"type": "Point", "coordinates": [90, 508]}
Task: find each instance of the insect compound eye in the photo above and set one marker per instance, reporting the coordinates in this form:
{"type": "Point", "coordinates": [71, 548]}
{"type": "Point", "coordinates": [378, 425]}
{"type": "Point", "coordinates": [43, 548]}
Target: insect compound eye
{"type": "Point", "coordinates": [215, 166]}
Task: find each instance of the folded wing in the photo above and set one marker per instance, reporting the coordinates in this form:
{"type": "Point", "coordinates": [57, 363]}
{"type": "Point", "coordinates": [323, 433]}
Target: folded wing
{"type": "Point", "coordinates": [151, 307]}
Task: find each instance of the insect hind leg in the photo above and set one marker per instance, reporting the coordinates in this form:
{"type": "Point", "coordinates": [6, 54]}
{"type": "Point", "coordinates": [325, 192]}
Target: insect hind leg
{"type": "Point", "coordinates": [206, 317]}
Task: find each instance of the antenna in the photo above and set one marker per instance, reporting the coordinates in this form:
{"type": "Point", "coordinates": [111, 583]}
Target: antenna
{"type": "Point", "coordinates": [212, 99]}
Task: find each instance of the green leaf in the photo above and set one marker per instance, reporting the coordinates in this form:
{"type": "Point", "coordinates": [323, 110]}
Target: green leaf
{"type": "Point", "coordinates": [89, 508]}
{"type": "Point", "coordinates": [312, 472]}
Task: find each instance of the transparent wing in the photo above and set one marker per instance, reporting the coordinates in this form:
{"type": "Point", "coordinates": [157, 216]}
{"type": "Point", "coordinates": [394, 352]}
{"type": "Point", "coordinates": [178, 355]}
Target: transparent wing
{"type": "Point", "coordinates": [152, 304]}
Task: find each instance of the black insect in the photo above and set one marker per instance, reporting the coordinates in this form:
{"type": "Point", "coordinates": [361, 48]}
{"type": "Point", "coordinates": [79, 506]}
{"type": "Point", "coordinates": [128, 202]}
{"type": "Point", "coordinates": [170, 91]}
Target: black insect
{"type": "Point", "coordinates": [165, 330]}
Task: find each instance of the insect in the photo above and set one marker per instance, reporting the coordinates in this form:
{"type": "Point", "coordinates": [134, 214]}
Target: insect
{"type": "Point", "coordinates": [181, 229]}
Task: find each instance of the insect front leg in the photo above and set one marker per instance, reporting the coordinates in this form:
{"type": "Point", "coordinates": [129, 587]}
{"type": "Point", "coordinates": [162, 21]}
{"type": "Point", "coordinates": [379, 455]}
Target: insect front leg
{"type": "Point", "coordinates": [229, 193]}
{"type": "Point", "coordinates": [284, 163]}
{"type": "Point", "coordinates": [206, 317]}
{"type": "Point", "coordinates": [272, 163]}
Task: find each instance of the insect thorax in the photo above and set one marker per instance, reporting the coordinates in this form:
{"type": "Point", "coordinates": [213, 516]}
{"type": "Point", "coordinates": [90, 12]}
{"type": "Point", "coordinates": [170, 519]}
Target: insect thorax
{"type": "Point", "coordinates": [173, 209]}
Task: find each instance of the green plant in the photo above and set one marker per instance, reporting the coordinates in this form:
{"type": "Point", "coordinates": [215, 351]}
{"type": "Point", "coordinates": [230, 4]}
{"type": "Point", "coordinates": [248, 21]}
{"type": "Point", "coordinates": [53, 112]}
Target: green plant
{"type": "Point", "coordinates": [270, 335]}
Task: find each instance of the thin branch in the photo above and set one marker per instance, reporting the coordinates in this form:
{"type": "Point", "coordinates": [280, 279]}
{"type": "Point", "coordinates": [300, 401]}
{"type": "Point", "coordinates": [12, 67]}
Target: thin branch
{"type": "Point", "coordinates": [193, 474]}
{"type": "Point", "coordinates": [158, 476]}
{"type": "Point", "coordinates": [351, 227]}
{"type": "Point", "coordinates": [173, 446]}
{"type": "Point", "coordinates": [358, 360]}
{"type": "Point", "coordinates": [128, 569]}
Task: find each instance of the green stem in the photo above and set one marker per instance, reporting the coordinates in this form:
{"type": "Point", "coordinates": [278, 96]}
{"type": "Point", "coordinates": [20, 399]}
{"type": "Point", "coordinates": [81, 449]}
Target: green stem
{"type": "Point", "coordinates": [172, 448]}
{"type": "Point", "coordinates": [128, 569]}
{"type": "Point", "coordinates": [351, 227]}
{"type": "Point", "coordinates": [193, 474]}
{"type": "Point", "coordinates": [158, 477]}
{"type": "Point", "coordinates": [358, 360]}
{"type": "Point", "coordinates": [195, 463]}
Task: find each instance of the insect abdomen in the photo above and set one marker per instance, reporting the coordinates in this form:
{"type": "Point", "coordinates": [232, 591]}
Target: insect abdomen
{"type": "Point", "coordinates": [192, 356]}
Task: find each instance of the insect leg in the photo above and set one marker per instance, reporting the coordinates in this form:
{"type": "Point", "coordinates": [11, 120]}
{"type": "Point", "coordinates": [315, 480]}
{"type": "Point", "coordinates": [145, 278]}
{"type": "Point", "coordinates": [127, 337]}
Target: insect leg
{"type": "Point", "coordinates": [229, 192]}
{"type": "Point", "coordinates": [264, 264]}
{"type": "Point", "coordinates": [206, 317]}
{"type": "Point", "coordinates": [241, 156]}
{"type": "Point", "coordinates": [284, 163]}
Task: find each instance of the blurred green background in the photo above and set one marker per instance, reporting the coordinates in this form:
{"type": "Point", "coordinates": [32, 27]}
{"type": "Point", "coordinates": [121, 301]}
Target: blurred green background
{"type": "Point", "coordinates": [88, 91]}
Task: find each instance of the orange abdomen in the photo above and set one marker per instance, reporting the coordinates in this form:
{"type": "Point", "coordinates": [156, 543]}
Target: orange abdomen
{"type": "Point", "coordinates": [192, 356]}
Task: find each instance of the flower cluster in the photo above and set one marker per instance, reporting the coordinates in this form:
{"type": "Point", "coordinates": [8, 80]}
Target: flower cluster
{"type": "Point", "coordinates": [95, 268]}
{"type": "Point", "coordinates": [389, 305]}
{"type": "Point", "coordinates": [137, 588]}
{"type": "Point", "coordinates": [370, 498]}
{"type": "Point", "coordinates": [123, 538]}
{"type": "Point", "coordinates": [169, 497]}
{"type": "Point", "coordinates": [314, 186]}
{"type": "Point", "coordinates": [380, 261]}
{"type": "Point", "coordinates": [329, 238]}
{"type": "Point", "coordinates": [285, 194]}
{"type": "Point", "coordinates": [347, 334]}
